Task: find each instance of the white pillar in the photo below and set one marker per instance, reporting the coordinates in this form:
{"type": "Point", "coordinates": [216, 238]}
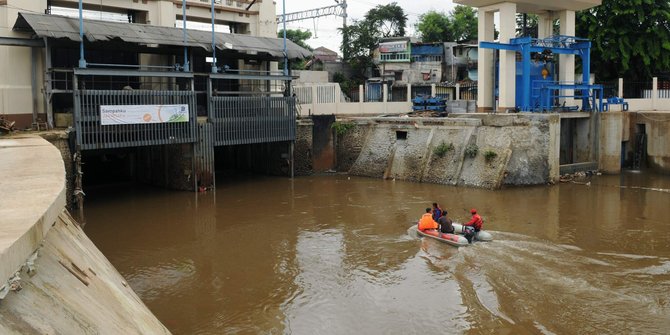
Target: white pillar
{"type": "Point", "coordinates": [338, 97]}
{"type": "Point", "coordinates": [433, 90]}
{"type": "Point", "coordinates": [545, 25]}
{"type": "Point", "coordinates": [361, 98]}
{"type": "Point", "coordinates": [485, 61]}
{"type": "Point", "coordinates": [620, 91]}
{"type": "Point", "coordinates": [385, 92]}
{"type": "Point", "coordinates": [566, 63]}
{"type": "Point", "coordinates": [458, 92]}
{"type": "Point", "coordinates": [507, 70]}
{"type": "Point", "coordinates": [654, 93]}
{"type": "Point", "coordinates": [409, 92]}
{"type": "Point", "coordinates": [314, 98]}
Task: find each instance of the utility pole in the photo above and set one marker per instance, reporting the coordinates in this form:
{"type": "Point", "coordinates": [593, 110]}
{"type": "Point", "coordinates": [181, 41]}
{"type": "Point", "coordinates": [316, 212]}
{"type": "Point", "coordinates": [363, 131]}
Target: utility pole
{"type": "Point", "coordinates": [345, 35]}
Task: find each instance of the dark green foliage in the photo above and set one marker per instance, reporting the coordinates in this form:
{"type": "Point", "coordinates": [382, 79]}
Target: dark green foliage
{"type": "Point", "coordinates": [342, 128]}
{"type": "Point", "coordinates": [388, 20]}
{"type": "Point", "coordinates": [490, 155]}
{"type": "Point", "coordinates": [471, 150]}
{"type": "Point", "coordinates": [442, 149]}
{"type": "Point", "coordinates": [464, 23]}
{"type": "Point", "coordinates": [457, 26]}
{"type": "Point", "coordinates": [361, 37]}
{"type": "Point", "coordinates": [297, 36]}
{"type": "Point", "coordinates": [631, 38]}
{"type": "Point", "coordinates": [347, 84]}
{"type": "Point", "coordinates": [434, 27]}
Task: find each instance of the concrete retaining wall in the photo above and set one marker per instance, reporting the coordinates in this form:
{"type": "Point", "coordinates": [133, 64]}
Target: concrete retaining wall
{"type": "Point", "coordinates": [523, 149]}
{"type": "Point", "coordinates": [60, 282]}
{"type": "Point", "coordinates": [657, 127]}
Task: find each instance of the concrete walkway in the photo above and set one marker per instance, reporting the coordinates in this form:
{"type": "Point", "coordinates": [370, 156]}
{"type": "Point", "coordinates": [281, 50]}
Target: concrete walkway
{"type": "Point", "coordinates": [32, 188]}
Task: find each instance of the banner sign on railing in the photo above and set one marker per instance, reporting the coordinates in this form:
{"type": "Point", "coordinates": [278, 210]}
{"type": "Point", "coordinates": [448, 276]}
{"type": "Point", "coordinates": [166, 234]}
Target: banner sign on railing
{"type": "Point", "coordinates": [138, 114]}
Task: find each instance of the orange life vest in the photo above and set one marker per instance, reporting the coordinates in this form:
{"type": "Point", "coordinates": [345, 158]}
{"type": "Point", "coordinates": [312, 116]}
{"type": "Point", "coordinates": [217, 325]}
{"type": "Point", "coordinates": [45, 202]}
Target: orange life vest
{"type": "Point", "coordinates": [427, 222]}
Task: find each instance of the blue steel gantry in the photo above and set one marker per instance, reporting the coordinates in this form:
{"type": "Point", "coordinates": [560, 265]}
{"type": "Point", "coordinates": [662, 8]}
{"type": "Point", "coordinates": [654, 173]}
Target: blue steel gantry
{"type": "Point", "coordinates": [539, 95]}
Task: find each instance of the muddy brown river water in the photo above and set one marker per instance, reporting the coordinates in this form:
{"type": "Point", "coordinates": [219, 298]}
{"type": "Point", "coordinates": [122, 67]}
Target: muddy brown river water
{"type": "Point", "coordinates": [336, 255]}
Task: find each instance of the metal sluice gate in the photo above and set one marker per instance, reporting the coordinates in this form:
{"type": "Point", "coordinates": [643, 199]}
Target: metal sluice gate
{"type": "Point", "coordinates": [235, 119]}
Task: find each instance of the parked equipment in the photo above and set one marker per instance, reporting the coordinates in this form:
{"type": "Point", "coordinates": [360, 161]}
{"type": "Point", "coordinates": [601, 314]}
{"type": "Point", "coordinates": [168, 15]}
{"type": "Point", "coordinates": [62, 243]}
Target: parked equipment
{"type": "Point", "coordinates": [428, 103]}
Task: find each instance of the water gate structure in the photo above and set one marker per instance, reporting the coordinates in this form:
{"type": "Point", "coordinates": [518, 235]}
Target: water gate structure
{"type": "Point", "coordinates": [137, 94]}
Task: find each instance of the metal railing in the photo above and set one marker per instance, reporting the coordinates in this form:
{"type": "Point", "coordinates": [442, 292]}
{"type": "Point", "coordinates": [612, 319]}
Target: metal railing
{"type": "Point", "coordinates": [91, 134]}
{"type": "Point", "coordinates": [637, 90]}
{"type": "Point", "coordinates": [246, 120]}
{"type": "Point", "coordinates": [394, 57]}
{"type": "Point", "coordinates": [326, 93]}
{"type": "Point", "coordinates": [468, 91]}
{"type": "Point", "coordinates": [397, 94]}
{"type": "Point", "coordinates": [610, 88]}
{"type": "Point", "coordinates": [445, 91]}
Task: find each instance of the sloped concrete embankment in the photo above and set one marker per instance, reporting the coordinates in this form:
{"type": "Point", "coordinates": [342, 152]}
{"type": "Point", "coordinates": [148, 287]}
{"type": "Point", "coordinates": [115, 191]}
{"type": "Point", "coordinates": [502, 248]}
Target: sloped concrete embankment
{"type": "Point", "coordinates": [510, 149]}
{"type": "Point", "coordinates": [55, 280]}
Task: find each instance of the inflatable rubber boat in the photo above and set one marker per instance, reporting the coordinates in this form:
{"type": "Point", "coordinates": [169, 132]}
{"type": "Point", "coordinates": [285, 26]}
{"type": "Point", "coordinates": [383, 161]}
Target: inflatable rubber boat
{"type": "Point", "coordinates": [455, 240]}
{"type": "Point", "coordinates": [482, 235]}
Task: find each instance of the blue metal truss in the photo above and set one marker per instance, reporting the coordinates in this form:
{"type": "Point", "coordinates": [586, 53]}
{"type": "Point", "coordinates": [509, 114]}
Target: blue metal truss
{"type": "Point", "coordinates": [558, 44]}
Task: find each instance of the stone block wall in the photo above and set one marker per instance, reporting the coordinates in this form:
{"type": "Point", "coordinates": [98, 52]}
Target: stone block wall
{"type": "Point", "coordinates": [510, 149]}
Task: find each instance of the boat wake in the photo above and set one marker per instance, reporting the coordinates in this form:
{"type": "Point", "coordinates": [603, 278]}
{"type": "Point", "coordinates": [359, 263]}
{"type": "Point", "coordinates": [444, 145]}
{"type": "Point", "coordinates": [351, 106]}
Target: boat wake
{"type": "Point", "coordinates": [519, 282]}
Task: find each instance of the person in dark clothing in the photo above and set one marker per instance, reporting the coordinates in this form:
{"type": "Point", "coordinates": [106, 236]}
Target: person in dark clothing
{"type": "Point", "coordinates": [437, 211]}
{"type": "Point", "coordinates": [446, 225]}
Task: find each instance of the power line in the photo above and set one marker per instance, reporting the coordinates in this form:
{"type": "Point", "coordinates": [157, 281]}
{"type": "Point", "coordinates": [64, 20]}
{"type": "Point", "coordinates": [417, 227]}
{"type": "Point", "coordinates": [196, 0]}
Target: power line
{"type": "Point", "coordinates": [335, 10]}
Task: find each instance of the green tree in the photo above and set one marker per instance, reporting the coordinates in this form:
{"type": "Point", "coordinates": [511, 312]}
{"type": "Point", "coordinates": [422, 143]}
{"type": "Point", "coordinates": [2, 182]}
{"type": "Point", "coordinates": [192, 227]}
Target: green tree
{"type": "Point", "coordinates": [630, 38]}
{"type": "Point", "coordinates": [464, 23]}
{"type": "Point", "coordinates": [457, 26]}
{"type": "Point", "coordinates": [363, 36]}
{"type": "Point", "coordinates": [390, 20]}
{"type": "Point", "coordinates": [531, 25]}
{"type": "Point", "coordinates": [297, 36]}
{"type": "Point", "coordinates": [434, 27]}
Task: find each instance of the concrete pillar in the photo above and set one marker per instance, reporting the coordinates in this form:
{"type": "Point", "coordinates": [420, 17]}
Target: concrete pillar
{"type": "Point", "coordinates": [507, 70]}
{"type": "Point", "coordinates": [385, 93]}
{"type": "Point", "coordinates": [554, 161]}
{"type": "Point", "coordinates": [485, 61]}
{"type": "Point", "coordinates": [566, 63]}
{"type": "Point", "coordinates": [620, 88]}
{"type": "Point", "coordinates": [338, 97]}
{"type": "Point", "coordinates": [654, 93]}
{"type": "Point", "coordinates": [409, 92]}
{"type": "Point", "coordinates": [314, 98]}
{"type": "Point", "coordinates": [458, 92]}
{"type": "Point", "coordinates": [545, 25]}
{"type": "Point", "coordinates": [361, 98]}
{"type": "Point", "coordinates": [433, 90]}
{"type": "Point", "coordinates": [610, 137]}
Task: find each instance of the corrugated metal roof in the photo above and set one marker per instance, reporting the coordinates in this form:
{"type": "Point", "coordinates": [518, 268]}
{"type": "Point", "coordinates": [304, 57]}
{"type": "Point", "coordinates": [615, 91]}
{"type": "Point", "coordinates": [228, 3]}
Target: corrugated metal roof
{"type": "Point", "coordinates": [53, 26]}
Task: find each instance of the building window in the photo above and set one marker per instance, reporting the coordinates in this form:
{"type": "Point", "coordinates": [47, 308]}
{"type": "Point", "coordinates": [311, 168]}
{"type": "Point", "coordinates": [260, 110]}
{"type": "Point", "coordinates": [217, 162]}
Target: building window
{"type": "Point", "coordinates": [400, 135]}
{"type": "Point", "coordinates": [397, 75]}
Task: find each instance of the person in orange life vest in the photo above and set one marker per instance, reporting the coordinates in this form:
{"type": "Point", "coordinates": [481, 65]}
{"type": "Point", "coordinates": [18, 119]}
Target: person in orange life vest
{"type": "Point", "coordinates": [426, 221]}
{"type": "Point", "coordinates": [476, 221]}
{"type": "Point", "coordinates": [437, 212]}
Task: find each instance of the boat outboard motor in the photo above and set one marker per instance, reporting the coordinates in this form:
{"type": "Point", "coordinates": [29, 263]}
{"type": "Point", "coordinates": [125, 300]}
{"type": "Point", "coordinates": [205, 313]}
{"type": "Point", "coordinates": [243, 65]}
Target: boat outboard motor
{"type": "Point", "coordinates": [469, 233]}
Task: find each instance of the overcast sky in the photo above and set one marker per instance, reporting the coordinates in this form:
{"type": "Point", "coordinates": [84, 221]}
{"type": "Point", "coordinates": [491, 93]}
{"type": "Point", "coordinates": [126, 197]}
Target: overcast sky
{"type": "Point", "coordinates": [324, 29]}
